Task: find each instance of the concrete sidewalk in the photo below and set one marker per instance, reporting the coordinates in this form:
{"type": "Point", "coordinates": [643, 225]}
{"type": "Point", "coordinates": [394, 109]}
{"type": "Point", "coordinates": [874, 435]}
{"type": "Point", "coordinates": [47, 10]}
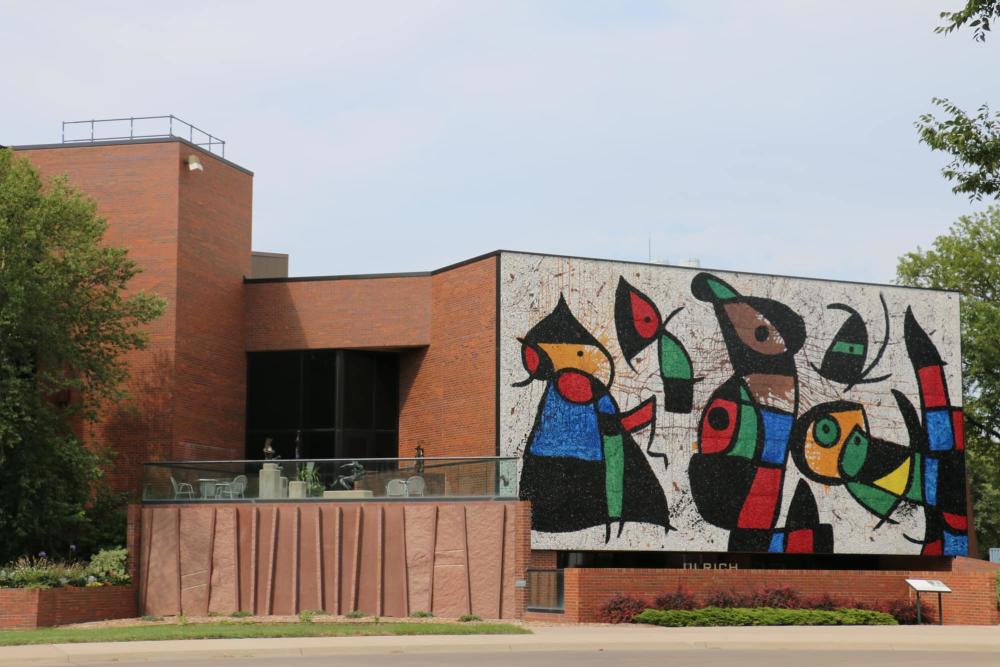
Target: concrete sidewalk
{"type": "Point", "coordinates": [546, 638]}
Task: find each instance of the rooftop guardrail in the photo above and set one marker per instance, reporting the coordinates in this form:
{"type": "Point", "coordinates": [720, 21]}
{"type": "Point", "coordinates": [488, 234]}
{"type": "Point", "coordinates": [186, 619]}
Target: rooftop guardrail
{"type": "Point", "coordinates": [135, 128]}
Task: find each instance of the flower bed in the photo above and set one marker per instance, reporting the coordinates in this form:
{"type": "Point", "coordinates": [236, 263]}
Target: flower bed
{"type": "Point", "coordinates": [38, 591]}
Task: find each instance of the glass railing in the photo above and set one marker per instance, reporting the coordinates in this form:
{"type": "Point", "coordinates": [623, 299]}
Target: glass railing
{"type": "Point", "coordinates": [330, 479]}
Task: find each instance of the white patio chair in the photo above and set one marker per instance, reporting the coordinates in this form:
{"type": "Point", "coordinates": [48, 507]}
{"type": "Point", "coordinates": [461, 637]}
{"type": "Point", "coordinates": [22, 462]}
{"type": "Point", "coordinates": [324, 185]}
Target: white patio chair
{"type": "Point", "coordinates": [396, 488]}
{"type": "Point", "coordinates": [415, 486]}
{"type": "Point", "coordinates": [233, 489]}
{"type": "Point", "coordinates": [182, 489]}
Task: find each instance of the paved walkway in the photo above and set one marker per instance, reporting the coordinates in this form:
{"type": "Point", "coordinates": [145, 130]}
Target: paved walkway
{"type": "Point", "coordinates": [546, 638]}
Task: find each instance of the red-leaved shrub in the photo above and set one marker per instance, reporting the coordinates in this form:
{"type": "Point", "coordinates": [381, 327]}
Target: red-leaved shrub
{"type": "Point", "coordinates": [824, 602]}
{"type": "Point", "coordinates": [621, 609]}
{"type": "Point", "coordinates": [728, 599]}
{"type": "Point", "coordinates": [777, 598]}
{"type": "Point", "coordinates": [679, 599]}
{"type": "Point", "coordinates": [905, 611]}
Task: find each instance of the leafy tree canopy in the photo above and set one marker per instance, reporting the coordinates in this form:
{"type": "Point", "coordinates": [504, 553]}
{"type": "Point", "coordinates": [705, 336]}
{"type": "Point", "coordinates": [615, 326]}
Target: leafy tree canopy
{"type": "Point", "coordinates": [968, 259]}
{"type": "Point", "coordinates": [972, 141]}
{"type": "Point", "coordinates": [65, 322]}
{"type": "Point", "coordinates": [977, 14]}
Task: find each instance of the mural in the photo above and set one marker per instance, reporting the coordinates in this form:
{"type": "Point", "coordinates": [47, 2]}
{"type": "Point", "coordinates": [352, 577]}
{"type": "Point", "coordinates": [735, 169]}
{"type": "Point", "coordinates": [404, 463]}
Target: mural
{"type": "Point", "coordinates": [753, 417]}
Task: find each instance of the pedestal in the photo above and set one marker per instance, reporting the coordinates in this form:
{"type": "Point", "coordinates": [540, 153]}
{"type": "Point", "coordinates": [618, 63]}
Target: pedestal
{"type": "Point", "coordinates": [348, 495]}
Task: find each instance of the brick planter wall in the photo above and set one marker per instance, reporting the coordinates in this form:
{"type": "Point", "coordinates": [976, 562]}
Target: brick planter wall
{"type": "Point", "coordinates": [973, 601]}
{"type": "Point", "coordinates": [26, 608]}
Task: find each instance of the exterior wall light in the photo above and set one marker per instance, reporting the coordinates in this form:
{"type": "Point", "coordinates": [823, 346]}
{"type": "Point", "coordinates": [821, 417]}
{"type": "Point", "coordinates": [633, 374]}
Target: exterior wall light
{"type": "Point", "coordinates": [194, 163]}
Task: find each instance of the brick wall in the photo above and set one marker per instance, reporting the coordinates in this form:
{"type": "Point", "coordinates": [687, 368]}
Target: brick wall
{"type": "Point", "coordinates": [448, 390]}
{"type": "Point", "coordinates": [443, 325]}
{"type": "Point", "coordinates": [136, 190]}
{"type": "Point", "coordinates": [347, 313]}
{"type": "Point", "coordinates": [189, 232]}
{"type": "Point", "coordinates": [26, 608]}
{"type": "Point", "coordinates": [214, 220]}
{"type": "Point", "coordinates": [972, 602]}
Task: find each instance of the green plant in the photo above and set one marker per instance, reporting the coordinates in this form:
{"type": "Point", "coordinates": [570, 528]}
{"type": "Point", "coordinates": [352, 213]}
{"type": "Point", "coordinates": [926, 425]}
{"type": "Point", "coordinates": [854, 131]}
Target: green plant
{"type": "Point", "coordinates": [468, 618]}
{"type": "Point", "coordinates": [110, 566]}
{"type": "Point", "coordinates": [734, 616]}
{"type": "Point", "coordinates": [214, 614]}
{"type": "Point", "coordinates": [421, 614]}
{"type": "Point", "coordinates": [355, 613]}
{"type": "Point", "coordinates": [242, 613]}
{"type": "Point", "coordinates": [182, 619]}
{"type": "Point", "coordinates": [309, 475]}
{"type": "Point", "coordinates": [67, 318]}
{"type": "Point", "coordinates": [306, 616]}
{"type": "Point", "coordinates": [997, 586]}
{"type": "Point", "coordinates": [151, 619]}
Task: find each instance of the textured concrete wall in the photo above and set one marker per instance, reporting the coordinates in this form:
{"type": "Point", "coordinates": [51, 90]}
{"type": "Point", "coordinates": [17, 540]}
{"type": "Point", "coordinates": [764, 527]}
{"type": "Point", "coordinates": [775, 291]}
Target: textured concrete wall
{"type": "Point", "coordinates": [386, 559]}
{"type": "Point", "coordinates": [739, 371]}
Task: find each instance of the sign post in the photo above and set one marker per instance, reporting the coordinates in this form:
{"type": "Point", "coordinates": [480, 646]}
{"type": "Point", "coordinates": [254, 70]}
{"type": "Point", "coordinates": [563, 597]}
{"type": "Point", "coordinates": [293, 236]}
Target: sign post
{"type": "Point", "coordinates": [929, 586]}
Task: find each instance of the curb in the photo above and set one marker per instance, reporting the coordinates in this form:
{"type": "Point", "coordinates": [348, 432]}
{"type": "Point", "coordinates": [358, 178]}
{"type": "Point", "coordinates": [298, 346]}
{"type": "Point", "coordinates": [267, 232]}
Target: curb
{"type": "Point", "coordinates": [62, 654]}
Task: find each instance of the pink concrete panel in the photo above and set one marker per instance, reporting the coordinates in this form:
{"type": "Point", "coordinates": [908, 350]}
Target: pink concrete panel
{"type": "Point", "coordinates": [330, 525]}
{"type": "Point", "coordinates": [508, 608]}
{"type": "Point", "coordinates": [284, 580]}
{"type": "Point", "coordinates": [163, 583]}
{"type": "Point", "coordinates": [225, 564]}
{"type": "Point", "coordinates": [421, 534]}
{"type": "Point", "coordinates": [197, 537]}
{"type": "Point", "coordinates": [310, 572]}
{"type": "Point", "coordinates": [350, 556]}
{"type": "Point", "coordinates": [394, 594]}
{"type": "Point", "coordinates": [485, 528]}
{"type": "Point", "coordinates": [370, 566]}
{"type": "Point", "coordinates": [267, 524]}
{"type": "Point", "coordinates": [246, 517]}
{"type": "Point", "coordinates": [451, 559]}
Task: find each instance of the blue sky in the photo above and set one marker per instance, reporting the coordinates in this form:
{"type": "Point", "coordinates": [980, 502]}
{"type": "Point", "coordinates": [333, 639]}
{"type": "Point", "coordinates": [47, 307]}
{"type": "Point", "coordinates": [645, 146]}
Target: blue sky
{"type": "Point", "coordinates": [770, 136]}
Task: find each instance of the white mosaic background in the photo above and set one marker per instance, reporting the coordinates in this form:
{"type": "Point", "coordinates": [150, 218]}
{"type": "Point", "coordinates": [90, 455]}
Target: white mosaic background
{"type": "Point", "coordinates": [530, 286]}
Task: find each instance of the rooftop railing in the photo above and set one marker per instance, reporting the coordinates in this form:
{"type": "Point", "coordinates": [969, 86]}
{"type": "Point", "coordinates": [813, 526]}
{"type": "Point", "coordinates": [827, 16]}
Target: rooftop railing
{"type": "Point", "coordinates": [330, 479]}
{"type": "Point", "coordinates": [137, 128]}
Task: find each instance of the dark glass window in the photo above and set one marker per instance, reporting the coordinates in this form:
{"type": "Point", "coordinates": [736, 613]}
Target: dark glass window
{"type": "Point", "coordinates": [339, 403]}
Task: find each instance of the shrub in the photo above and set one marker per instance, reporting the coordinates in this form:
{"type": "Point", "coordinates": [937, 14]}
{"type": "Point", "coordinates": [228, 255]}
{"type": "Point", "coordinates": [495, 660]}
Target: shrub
{"type": "Point", "coordinates": [824, 602]}
{"type": "Point", "coordinates": [716, 616]}
{"type": "Point", "coordinates": [355, 613]}
{"type": "Point", "coordinates": [110, 566]}
{"type": "Point", "coordinates": [468, 618]}
{"type": "Point", "coordinates": [106, 567]}
{"type": "Point", "coordinates": [242, 613]}
{"type": "Point", "coordinates": [679, 599]}
{"type": "Point", "coordinates": [421, 614]}
{"type": "Point", "coordinates": [776, 598]}
{"type": "Point", "coordinates": [621, 609]}
{"type": "Point", "coordinates": [728, 599]}
{"type": "Point", "coordinates": [306, 616]}
{"type": "Point", "coordinates": [905, 611]}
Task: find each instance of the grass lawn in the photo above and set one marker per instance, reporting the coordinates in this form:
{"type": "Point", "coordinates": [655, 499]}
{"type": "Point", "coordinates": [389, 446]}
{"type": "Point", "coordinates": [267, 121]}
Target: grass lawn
{"type": "Point", "coordinates": [244, 629]}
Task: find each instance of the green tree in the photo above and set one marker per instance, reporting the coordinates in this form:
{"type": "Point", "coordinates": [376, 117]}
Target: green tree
{"type": "Point", "coordinates": [972, 141]}
{"type": "Point", "coordinates": [65, 321]}
{"type": "Point", "coordinates": [968, 259]}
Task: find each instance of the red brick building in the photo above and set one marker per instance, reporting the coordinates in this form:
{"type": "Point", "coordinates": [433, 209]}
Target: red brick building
{"type": "Point", "coordinates": [396, 365]}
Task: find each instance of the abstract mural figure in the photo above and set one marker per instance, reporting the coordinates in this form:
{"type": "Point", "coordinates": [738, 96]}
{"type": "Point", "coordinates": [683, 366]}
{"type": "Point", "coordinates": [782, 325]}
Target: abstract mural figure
{"type": "Point", "coordinates": [581, 466]}
{"type": "Point", "coordinates": [738, 472]}
{"type": "Point", "coordinates": [844, 361]}
{"type": "Point", "coordinates": [832, 444]}
{"type": "Point", "coordinates": [638, 323]}
{"type": "Point", "coordinates": [803, 533]}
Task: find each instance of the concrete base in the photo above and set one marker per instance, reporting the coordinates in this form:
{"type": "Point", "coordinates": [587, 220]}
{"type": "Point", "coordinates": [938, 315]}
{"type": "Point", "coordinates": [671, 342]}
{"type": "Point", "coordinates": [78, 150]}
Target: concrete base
{"type": "Point", "coordinates": [347, 495]}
